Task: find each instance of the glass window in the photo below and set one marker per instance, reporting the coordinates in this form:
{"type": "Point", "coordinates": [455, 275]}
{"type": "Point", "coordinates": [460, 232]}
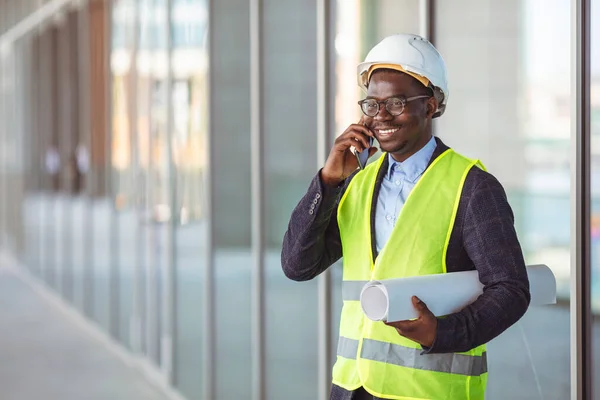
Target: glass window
{"type": "Point", "coordinates": [7, 83]}
{"type": "Point", "coordinates": [144, 175]}
{"type": "Point", "coordinates": [102, 234]}
{"type": "Point", "coordinates": [123, 168]}
{"type": "Point", "coordinates": [69, 177]}
{"type": "Point", "coordinates": [50, 155]}
{"type": "Point", "coordinates": [595, 187]}
{"type": "Point", "coordinates": [154, 169]}
{"type": "Point", "coordinates": [81, 211]}
{"type": "Point", "coordinates": [32, 205]}
{"type": "Point", "coordinates": [509, 82]}
{"type": "Point", "coordinates": [189, 142]}
{"type": "Point", "coordinates": [230, 114]}
{"type": "Point", "coordinates": [290, 154]}
{"type": "Point", "coordinates": [14, 87]}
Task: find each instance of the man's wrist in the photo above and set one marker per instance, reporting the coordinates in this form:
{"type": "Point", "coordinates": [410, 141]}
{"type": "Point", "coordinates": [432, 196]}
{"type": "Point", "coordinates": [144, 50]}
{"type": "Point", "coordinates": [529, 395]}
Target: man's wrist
{"type": "Point", "coordinates": [329, 181]}
{"type": "Point", "coordinates": [440, 340]}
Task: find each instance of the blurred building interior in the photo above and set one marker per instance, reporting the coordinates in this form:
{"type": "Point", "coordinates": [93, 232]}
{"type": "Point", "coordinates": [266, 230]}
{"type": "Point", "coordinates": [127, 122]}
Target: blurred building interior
{"type": "Point", "coordinates": [151, 152]}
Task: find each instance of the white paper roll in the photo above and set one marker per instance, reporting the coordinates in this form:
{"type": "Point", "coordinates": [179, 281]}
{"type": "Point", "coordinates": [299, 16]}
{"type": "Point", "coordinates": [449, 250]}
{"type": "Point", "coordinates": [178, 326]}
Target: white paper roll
{"type": "Point", "coordinates": [390, 300]}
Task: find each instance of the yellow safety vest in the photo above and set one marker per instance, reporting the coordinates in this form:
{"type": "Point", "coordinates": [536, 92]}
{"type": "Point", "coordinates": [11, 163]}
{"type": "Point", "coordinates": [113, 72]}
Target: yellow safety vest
{"type": "Point", "coordinates": [371, 354]}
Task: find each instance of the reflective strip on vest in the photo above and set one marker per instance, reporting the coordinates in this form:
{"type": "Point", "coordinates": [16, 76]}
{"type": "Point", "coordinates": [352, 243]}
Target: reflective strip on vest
{"type": "Point", "coordinates": [347, 348]}
{"type": "Point", "coordinates": [395, 354]}
{"type": "Point", "coordinates": [351, 290]}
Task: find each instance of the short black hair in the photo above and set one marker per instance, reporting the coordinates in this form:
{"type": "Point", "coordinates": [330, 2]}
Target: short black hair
{"type": "Point", "coordinates": [430, 90]}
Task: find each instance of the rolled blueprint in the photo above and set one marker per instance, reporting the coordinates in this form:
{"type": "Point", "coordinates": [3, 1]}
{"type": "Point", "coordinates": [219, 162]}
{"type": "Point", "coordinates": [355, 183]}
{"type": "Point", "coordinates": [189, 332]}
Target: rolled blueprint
{"type": "Point", "coordinates": [390, 300]}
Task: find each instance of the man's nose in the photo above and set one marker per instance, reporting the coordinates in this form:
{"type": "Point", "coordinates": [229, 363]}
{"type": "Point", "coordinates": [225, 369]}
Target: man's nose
{"type": "Point", "coordinates": [383, 114]}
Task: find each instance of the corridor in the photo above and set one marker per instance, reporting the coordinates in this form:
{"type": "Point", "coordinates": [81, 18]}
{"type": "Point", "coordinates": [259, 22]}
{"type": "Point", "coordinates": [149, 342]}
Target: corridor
{"type": "Point", "coordinates": [48, 352]}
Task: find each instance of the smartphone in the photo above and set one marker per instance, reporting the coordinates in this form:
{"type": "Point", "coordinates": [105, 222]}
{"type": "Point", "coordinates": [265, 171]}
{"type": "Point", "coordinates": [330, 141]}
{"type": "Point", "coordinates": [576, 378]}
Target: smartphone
{"type": "Point", "coordinates": [363, 156]}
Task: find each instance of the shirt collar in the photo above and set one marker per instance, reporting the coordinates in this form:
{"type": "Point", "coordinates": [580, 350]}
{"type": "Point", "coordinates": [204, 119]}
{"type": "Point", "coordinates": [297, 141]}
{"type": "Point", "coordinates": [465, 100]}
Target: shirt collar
{"type": "Point", "coordinates": [414, 166]}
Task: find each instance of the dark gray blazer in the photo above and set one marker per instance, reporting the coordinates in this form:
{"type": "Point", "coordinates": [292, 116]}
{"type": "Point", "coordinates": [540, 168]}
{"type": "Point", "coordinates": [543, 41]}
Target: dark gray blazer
{"type": "Point", "coordinates": [483, 239]}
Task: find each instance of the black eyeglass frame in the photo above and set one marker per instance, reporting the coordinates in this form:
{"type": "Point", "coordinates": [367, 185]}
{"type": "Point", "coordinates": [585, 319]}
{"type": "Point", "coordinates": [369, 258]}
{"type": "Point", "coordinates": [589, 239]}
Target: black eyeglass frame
{"type": "Point", "coordinates": [387, 102]}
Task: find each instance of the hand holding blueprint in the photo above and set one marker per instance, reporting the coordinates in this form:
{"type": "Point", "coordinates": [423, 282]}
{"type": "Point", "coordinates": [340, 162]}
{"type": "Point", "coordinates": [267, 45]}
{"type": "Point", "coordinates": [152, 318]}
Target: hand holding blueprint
{"type": "Point", "coordinates": [390, 300]}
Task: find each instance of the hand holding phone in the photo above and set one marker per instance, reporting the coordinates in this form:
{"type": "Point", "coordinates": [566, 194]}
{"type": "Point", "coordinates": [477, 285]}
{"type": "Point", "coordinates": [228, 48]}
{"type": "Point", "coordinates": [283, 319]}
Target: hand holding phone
{"type": "Point", "coordinates": [363, 156]}
{"type": "Point", "coordinates": [351, 149]}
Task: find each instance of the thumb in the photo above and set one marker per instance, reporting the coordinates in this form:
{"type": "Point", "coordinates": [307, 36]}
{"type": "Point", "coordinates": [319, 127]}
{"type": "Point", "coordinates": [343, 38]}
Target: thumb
{"type": "Point", "coordinates": [419, 305]}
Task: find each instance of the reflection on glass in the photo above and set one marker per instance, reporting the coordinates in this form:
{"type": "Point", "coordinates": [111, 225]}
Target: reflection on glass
{"type": "Point", "coordinates": [290, 163]}
{"type": "Point", "coordinates": [189, 140]}
{"type": "Point", "coordinates": [101, 260]}
{"type": "Point", "coordinates": [122, 163]}
{"type": "Point", "coordinates": [595, 188]}
{"type": "Point", "coordinates": [514, 105]}
{"type": "Point", "coordinates": [32, 204]}
{"type": "Point", "coordinates": [60, 232]}
{"type": "Point", "coordinates": [52, 162]}
{"type": "Point", "coordinates": [80, 245]}
{"type": "Point", "coordinates": [101, 203]}
{"type": "Point", "coordinates": [230, 157]}
{"type": "Point", "coordinates": [142, 178]}
{"type": "Point", "coordinates": [154, 166]}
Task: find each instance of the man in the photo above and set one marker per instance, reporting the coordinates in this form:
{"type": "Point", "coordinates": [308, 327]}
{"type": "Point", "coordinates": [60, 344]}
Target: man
{"type": "Point", "coordinates": [420, 209]}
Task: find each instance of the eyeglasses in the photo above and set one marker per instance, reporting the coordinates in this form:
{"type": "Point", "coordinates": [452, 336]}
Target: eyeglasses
{"type": "Point", "coordinates": [393, 105]}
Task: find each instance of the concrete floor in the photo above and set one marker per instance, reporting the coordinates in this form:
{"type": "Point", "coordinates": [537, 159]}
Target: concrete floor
{"type": "Point", "coordinates": [45, 355]}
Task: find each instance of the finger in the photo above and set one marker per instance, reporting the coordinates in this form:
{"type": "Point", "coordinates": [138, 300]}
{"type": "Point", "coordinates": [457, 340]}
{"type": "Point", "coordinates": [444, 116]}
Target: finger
{"type": "Point", "coordinates": [407, 328]}
{"type": "Point", "coordinates": [355, 138]}
{"type": "Point", "coordinates": [367, 131]}
{"type": "Point", "coordinates": [343, 144]}
{"type": "Point", "coordinates": [420, 306]}
{"type": "Point", "coordinates": [396, 325]}
{"type": "Point", "coordinates": [402, 325]}
{"type": "Point", "coordinates": [347, 145]}
{"type": "Point", "coordinates": [355, 131]}
{"type": "Point", "coordinates": [360, 136]}
{"type": "Point", "coordinates": [360, 128]}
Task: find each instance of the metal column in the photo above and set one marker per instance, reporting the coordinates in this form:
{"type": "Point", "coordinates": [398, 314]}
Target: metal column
{"type": "Point", "coordinates": [3, 132]}
{"type": "Point", "coordinates": [208, 286]}
{"type": "Point", "coordinates": [85, 140]}
{"type": "Point", "coordinates": [581, 341]}
{"type": "Point", "coordinates": [426, 19]}
{"type": "Point", "coordinates": [113, 290]}
{"type": "Point", "coordinates": [168, 299]}
{"type": "Point", "coordinates": [135, 329]}
{"type": "Point", "coordinates": [257, 192]}
{"type": "Point", "coordinates": [63, 111]}
{"type": "Point", "coordinates": [324, 124]}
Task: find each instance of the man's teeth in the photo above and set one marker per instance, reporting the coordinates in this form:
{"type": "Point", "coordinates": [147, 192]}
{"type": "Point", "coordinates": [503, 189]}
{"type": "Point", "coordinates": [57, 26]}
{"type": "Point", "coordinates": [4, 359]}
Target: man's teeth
{"type": "Point", "coordinates": [387, 131]}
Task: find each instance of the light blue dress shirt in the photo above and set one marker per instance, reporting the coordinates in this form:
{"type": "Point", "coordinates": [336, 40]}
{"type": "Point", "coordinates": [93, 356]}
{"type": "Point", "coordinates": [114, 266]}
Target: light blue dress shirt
{"type": "Point", "coordinates": [397, 184]}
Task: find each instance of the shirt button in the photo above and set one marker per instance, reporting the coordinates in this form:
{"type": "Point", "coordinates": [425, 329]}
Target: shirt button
{"type": "Point", "coordinates": [388, 217]}
{"type": "Point", "coordinates": [311, 212]}
{"type": "Point", "coordinates": [315, 201]}
{"type": "Point", "coordinates": [398, 183]}
{"type": "Point", "coordinates": [318, 196]}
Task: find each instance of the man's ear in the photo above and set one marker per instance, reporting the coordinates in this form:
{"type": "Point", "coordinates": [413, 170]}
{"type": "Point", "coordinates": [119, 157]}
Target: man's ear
{"type": "Point", "coordinates": [432, 106]}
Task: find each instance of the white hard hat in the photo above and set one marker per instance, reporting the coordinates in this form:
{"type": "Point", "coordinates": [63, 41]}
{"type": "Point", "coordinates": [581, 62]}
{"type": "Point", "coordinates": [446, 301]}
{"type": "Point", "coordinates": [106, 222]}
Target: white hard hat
{"type": "Point", "coordinates": [413, 55]}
